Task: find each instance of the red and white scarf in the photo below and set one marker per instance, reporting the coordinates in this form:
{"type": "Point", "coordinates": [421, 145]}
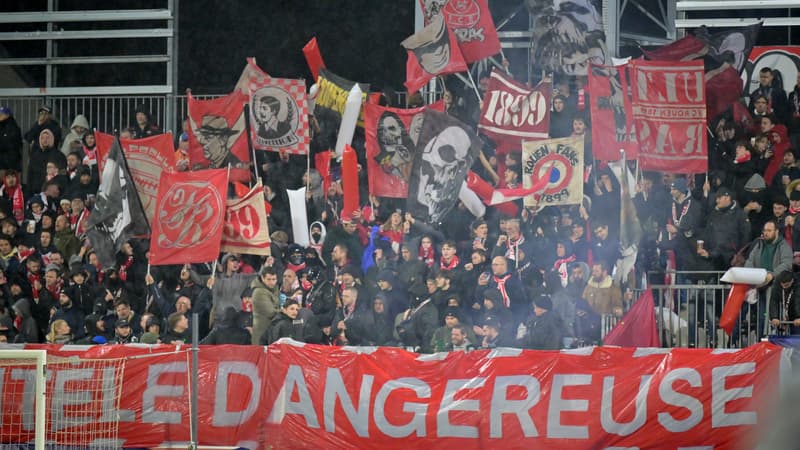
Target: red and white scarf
{"type": "Point", "coordinates": [501, 286]}
{"type": "Point", "coordinates": [123, 268]}
{"type": "Point", "coordinates": [448, 266]}
{"type": "Point", "coordinates": [17, 201]}
{"type": "Point", "coordinates": [513, 248]}
{"type": "Point", "coordinates": [426, 255]}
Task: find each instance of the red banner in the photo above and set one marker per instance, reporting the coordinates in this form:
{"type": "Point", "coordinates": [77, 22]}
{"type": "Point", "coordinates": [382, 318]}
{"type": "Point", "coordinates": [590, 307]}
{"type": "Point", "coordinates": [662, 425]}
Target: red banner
{"type": "Point", "coordinates": [191, 212]}
{"type": "Point", "coordinates": [218, 134]}
{"type": "Point", "coordinates": [147, 158]}
{"type": "Point", "coordinates": [104, 143]}
{"type": "Point", "coordinates": [513, 112]}
{"type": "Point", "coordinates": [295, 396]}
{"type": "Point", "coordinates": [279, 115]}
{"type": "Point", "coordinates": [472, 23]}
{"type": "Point", "coordinates": [612, 113]}
{"type": "Point", "coordinates": [350, 182]}
{"type": "Point", "coordinates": [432, 51]}
{"type": "Point", "coordinates": [313, 57]}
{"type": "Point", "coordinates": [669, 109]}
{"type": "Point", "coordinates": [391, 139]}
{"type": "Point", "coordinates": [246, 229]}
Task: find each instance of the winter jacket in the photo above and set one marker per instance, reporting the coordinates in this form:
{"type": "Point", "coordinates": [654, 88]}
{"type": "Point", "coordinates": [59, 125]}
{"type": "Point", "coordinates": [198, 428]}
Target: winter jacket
{"type": "Point", "coordinates": [266, 306]}
{"type": "Point", "coordinates": [10, 145]}
{"type": "Point", "coordinates": [282, 326]}
{"type": "Point", "coordinates": [228, 331]}
{"type": "Point", "coordinates": [74, 136]}
{"type": "Point", "coordinates": [603, 296]}
{"type": "Point", "coordinates": [544, 332]}
{"type": "Point", "coordinates": [781, 259]}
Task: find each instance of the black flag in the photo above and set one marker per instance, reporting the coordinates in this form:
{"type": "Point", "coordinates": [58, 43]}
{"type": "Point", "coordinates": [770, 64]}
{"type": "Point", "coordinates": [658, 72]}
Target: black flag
{"type": "Point", "coordinates": [117, 215]}
{"type": "Point", "coordinates": [445, 151]}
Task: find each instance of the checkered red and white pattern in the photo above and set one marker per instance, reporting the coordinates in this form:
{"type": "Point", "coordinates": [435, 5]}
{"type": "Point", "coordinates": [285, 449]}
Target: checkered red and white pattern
{"type": "Point", "coordinates": [297, 90]}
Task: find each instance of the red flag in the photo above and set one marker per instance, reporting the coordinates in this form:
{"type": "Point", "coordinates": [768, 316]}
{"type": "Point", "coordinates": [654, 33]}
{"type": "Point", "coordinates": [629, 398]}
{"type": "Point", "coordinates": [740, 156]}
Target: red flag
{"type": "Point", "coordinates": [513, 112]}
{"type": "Point", "coordinates": [240, 189]}
{"type": "Point", "coordinates": [723, 89]}
{"type": "Point", "coordinates": [638, 327]}
{"type": "Point", "coordinates": [432, 51]}
{"type": "Point", "coordinates": [218, 134]}
{"type": "Point", "coordinates": [612, 113]}
{"type": "Point", "coordinates": [322, 162]}
{"type": "Point", "coordinates": [733, 306]}
{"type": "Point", "coordinates": [684, 49]}
{"type": "Point", "coordinates": [669, 110]}
{"type": "Point", "coordinates": [147, 158]}
{"type": "Point", "coordinates": [104, 143]}
{"type": "Point", "coordinates": [279, 115]}
{"type": "Point", "coordinates": [246, 230]}
{"type": "Point", "coordinates": [391, 135]}
{"type": "Point", "coordinates": [485, 192]}
{"type": "Point", "coordinates": [313, 57]}
{"type": "Point", "coordinates": [471, 22]}
{"type": "Point", "coordinates": [350, 182]}
{"type": "Point", "coordinates": [191, 212]}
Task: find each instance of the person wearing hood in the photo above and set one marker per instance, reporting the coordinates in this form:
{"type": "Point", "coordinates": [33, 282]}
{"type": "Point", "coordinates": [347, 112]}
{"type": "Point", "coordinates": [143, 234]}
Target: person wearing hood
{"type": "Point", "coordinates": [93, 334]}
{"type": "Point", "coordinates": [228, 330]}
{"type": "Point", "coordinates": [10, 142]}
{"type": "Point", "coordinates": [787, 172]}
{"type": "Point", "coordinates": [396, 297]}
{"type": "Point", "coordinates": [266, 301]}
{"type": "Point", "coordinates": [384, 320]}
{"type": "Point", "coordinates": [560, 118]}
{"type": "Point", "coordinates": [144, 126]}
{"type": "Point", "coordinates": [227, 286]}
{"type": "Point", "coordinates": [44, 121]}
{"type": "Point", "coordinates": [74, 140]}
{"type": "Point", "coordinates": [28, 330]}
{"type": "Point", "coordinates": [40, 155]}
{"type": "Point", "coordinates": [317, 233]}
{"type": "Point", "coordinates": [754, 200]}
{"type": "Point", "coordinates": [314, 181]}
{"type": "Point", "coordinates": [545, 327]}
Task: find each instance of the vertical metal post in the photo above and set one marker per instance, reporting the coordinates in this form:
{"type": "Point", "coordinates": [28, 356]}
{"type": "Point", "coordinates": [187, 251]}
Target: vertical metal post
{"type": "Point", "coordinates": [51, 50]}
{"type": "Point", "coordinates": [195, 350]}
{"type": "Point", "coordinates": [611, 21]}
{"type": "Point", "coordinates": [170, 109]}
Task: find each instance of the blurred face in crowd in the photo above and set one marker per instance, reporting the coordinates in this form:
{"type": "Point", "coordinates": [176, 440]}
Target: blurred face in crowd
{"type": "Point", "coordinates": [765, 78]}
{"type": "Point", "coordinates": [124, 331]}
{"type": "Point", "coordinates": [57, 259]}
{"type": "Point", "coordinates": [141, 118]}
{"type": "Point", "coordinates": [457, 337]}
{"type": "Point", "coordinates": [512, 227]}
{"type": "Point", "coordinates": [482, 231]}
{"type": "Point", "coordinates": [34, 265]}
{"type": "Point", "coordinates": [292, 310]}
{"type": "Point", "coordinates": [788, 159]}
{"type": "Point", "coordinates": [182, 325]}
{"type": "Point", "coordinates": [232, 265]}
{"type": "Point", "coordinates": [442, 282]}
{"type": "Point", "coordinates": [778, 210]}
{"type": "Point", "coordinates": [561, 251]}
{"type": "Point", "coordinates": [76, 206]}
{"type": "Point", "coordinates": [51, 278]}
{"type": "Point", "coordinates": [338, 255]}
{"type": "Point", "coordinates": [723, 201]}
{"type": "Point", "coordinates": [450, 321]}
{"type": "Point", "coordinates": [601, 232]}
{"type": "Point", "coordinates": [576, 274]}
{"type": "Point", "coordinates": [453, 301]}
{"type": "Point", "coordinates": [558, 105]}
{"type": "Point", "coordinates": [766, 124]}
{"type": "Point", "coordinates": [490, 331]}
{"type": "Point", "coordinates": [426, 243]}
{"type": "Point", "coordinates": [350, 227]}
{"type": "Point", "coordinates": [477, 258]}
{"type": "Point", "coordinates": [62, 224]}
{"type": "Point", "coordinates": [431, 285]}
{"type": "Point", "coordinates": [760, 105]}
{"type": "Point", "coordinates": [348, 298]}
{"type": "Point", "coordinates": [270, 280]}
{"type": "Point", "coordinates": [499, 266]}
{"type": "Point", "coordinates": [72, 161]}
{"type": "Point", "coordinates": [90, 140]}
{"type": "Point", "coordinates": [11, 180]}
{"type": "Point", "coordinates": [123, 311]}
{"type": "Point", "coordinates": [64, 300]}
{"type": "Point", "coordinates": [406, 254]}
{"type": "Point", "coordinates": [448, 252]}
{"type": "Point", "coordinates": [578, 127]}
{"type": "Point", "coordinates": [598, 273]}
{"type": "Point", "coordinates": [46, 140]}
{"type": "Point", "coordinates": [769, 232]}
{"type": "Point", "coordinates": [5, 247]}
{"type": "Point", "coordinates": [183, 304]}
{"type": "Point", "coordinates": [62, 329]}
{"type": "Point", "coordinates": [52, 169]}
{"type": "Point", "coordinates": [289, 277]}
{"type": "Point", "coordinates": [378, 307]}
{"type": "Point", "coordinates": [348, 280]}
{"type": "Point", "coordinates": [9, 229]}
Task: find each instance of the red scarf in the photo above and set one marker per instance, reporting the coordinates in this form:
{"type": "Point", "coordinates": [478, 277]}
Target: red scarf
{"type": "Point", "coordinates": [17, 201]}
{"type": "Point", "coordinates": [744, 158]}
{"type": "Point", "coordinates": [55, 289]}
{"type": "Point", "coordinates": [581, 99]}
{"type": "Point", "coordinates": [247, 307]}
{"type": "Point", "coordinates": [501, 286]}
{"type": "Point", "coordinates": [426, 255]}
{"type": "Point", "coordinates": [123, 269]}
{"type": "Point", "coordinates": [91, 156]}
{"type": "Point", "coordinates": [32, 279]}
{"type": "Point", "coordinates": [565, 260]}
{"type": "Point", "coordinates": [445, 266]}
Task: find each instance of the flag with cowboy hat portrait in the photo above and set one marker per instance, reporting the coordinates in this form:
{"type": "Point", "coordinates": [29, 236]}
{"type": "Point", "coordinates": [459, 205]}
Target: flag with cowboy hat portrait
{"type": "Point", "coordinates": [218, 134]}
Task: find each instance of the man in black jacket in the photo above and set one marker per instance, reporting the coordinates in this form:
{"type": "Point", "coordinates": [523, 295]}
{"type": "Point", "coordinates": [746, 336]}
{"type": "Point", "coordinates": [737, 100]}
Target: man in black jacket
{"type": "Point", "coordinates": [784, 303]}
{"type": "Point", "coordinates": [353, 322]}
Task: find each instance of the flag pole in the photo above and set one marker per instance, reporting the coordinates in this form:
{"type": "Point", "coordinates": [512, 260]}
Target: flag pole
{"type": "Point", "coordinates": [474, 86]}
{"type": "Point", "coordinates": [246, 111]}
{"type": "Point", "coordinates": [308, 170]}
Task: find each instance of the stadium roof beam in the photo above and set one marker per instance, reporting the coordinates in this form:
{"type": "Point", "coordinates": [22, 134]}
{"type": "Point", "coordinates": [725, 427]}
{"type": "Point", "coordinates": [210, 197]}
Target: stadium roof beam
{"type": "Point", "coordinates": [84, 16]}
{"type": "Point", "coordinates": [85, 34]}
{"type": "Point", "coordinates": [82, 60]}
{"type": "Point", "coordinates": [701, 5]}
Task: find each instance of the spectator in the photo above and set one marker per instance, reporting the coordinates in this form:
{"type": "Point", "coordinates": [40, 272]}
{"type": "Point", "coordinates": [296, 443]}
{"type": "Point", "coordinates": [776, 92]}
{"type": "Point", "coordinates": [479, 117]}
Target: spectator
{"type": "Point", "coordinates": [229, 330]}
{"type": "Point", "coordinates": [283, 324]}
{"type": "Point", "coordinates": [442, 337]}
{"type": "Point", "coordinates": [74, 140]}
{"type": "Point", "coordinates": [29, 331]}
{"type": "Point", "coordinates": [353, 323]}
{"type": "Point", "coordinates": [144, 126]}
{"type": "Point", "coordinates": [93, 334]}
{"type": "Point", "coordinates": [772, 92]}
{"type": "Point", "coordinates": [69, 312]}
{"type": "Point", "coordinates": [784, 305]}
{"type": "Point", "coordinates": [603, 294]}
{"type": "Point", "coordinates": [40, 155]}
{"type": "Point", "coordinates": [177, 330]}
{"type": "Point", "coordinates": [10, 143]}
{"type": "Point", "coordinates": [459, 341]}
{"type": "Point", "coordinates": [44, 121]}
{"type": "Point", "coordinates": [60, 333]}
{"type": "Point", "coordinates": [123, 333]}
{"type": "Point", "coordinates": [266, 301]}
{"type": "Point", "coordinates": [773, 254]}
{"type": "Point", "coordinates": [417, 325]}
{"type": "Point", "coordinates": [544, 329]}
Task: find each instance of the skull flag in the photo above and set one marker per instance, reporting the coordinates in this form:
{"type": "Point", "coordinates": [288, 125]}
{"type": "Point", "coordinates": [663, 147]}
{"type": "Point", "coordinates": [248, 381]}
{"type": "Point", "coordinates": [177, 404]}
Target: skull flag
{"type": "Point", "coordinates": [190, 217]}
{"type": "Point", "coordinates": [447, 148]}
{"type": "Point", "coordinates": [432, 51]}
{"type": "Point", "coordinates": [472, 23]}
{"type": "Point", "coordinates": [218, 134]}
{"type": "Point", "coordinates": [391, 139]}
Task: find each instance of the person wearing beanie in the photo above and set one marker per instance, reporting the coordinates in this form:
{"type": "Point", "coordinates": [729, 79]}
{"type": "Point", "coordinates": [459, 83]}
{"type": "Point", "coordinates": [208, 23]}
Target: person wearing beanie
{"type": "Point", "coordinates": [40, 155]}
{"type": "Point", "coordinates": [68, 311]}
{"type": "Point", "coordinates": [442, 337]}
{"type": "Point", "coordinates": [545, 328]}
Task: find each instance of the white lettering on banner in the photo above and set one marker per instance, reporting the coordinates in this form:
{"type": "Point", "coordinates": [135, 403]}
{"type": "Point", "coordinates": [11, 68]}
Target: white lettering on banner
{"type": "Point", "coordinates": [110, 412]}
{"type": "Point", "coordinates": [154, 390]}
{"type": "Point", "coordinates": [671, 397]}
{"type": "Point", "coordinates": [334, 388]}
{"type": "Point", "coordinates": [502, 405]}
{"type": "Point", "coordinates": [506, 109]}
{"type": "Point", "coordinates": [558, 405]}
{"type": "Point", "coordinates": [222, 417]}
{"type": "Point", "coordinates": [609, 424]}
{"type": "Point", "coordinates": [69, 398]}
{"type": "Point", "coordinates": [692, 86]}
{"type": "Point", "coordinates": [420, 410]}
{"type": "Point", "coordinates": [443, 426]}
{"type": "Point", "coordinates": [721, 396]}
{"type": "Point", "coordinates": [283, 402]}
{"type": "Point", "coordinates": [28, 377]}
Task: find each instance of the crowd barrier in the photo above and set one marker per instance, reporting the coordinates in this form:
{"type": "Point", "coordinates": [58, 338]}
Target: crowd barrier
{"type": "Point", "coordinates": [291, 395]}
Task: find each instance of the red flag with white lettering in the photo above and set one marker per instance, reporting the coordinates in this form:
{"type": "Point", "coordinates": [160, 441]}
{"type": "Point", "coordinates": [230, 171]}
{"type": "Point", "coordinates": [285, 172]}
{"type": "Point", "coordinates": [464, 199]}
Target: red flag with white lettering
{"type": "Point", "coordinates": [612, 113]}
{"type": "Point", "coordinates": [246, 229]}
{"type": "Point", "coordinates": [513, 112]}
{"type": "Point", "coordinates": [391, 140]}
{"type": "Point", "coordinates": [190, 217]}
{"type": "Point", "coordinates": [218, 134]}
{"type": "Point", "coordinates": [432, 51]}
{"type": "Point", "coordinates": [471, 22]}
{"type": "Point", "coordinates": [147, 158]}
{"type": "Point", "coordinates": [669, 110]}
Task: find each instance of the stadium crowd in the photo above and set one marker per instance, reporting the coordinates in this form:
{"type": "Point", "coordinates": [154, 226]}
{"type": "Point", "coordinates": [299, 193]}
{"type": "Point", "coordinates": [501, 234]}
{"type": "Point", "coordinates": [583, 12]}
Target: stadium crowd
{"type": "Point", "coordinates": [543, 279]}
